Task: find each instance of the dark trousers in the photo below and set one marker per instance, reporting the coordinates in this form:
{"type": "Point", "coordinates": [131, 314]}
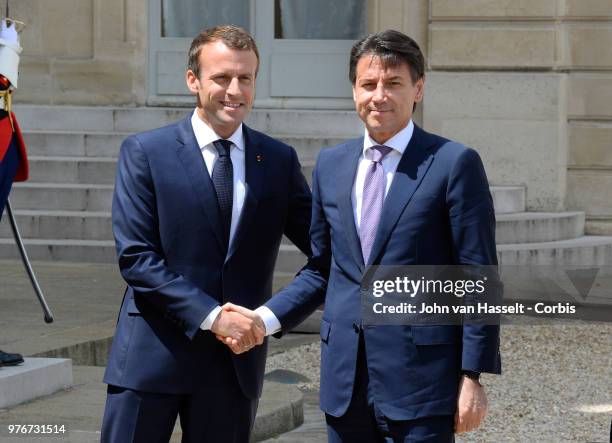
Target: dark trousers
{"type": "Point", "coordinates": [216, 411]}
{"type": "Point", "coordinates": [8, 168]}
{"type": "Point", "coordinates": [363, 422]}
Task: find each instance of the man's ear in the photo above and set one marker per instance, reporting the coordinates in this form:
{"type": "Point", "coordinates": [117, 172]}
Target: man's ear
{"type": "Point", "coordinates": [192, 81]}
{"type": "Point", "coordinates": [420, 86]}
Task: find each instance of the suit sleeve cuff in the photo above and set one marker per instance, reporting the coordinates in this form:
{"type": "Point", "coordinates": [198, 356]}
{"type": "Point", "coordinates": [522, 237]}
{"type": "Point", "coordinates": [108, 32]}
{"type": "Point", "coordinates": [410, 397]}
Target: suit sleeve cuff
{"type": "Point", "coordinates": [210, 319]}
{"type": "Point", "coordinates": [270, 321]}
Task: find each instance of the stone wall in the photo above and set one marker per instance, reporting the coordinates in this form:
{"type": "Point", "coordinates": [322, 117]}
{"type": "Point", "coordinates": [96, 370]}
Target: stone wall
{"type": "Point", "coordinates": [526, 82]}
{"type": "Point", "coordinates": [529, 84]}
{"type": "Point", "coordinates": [589, 55]}
{"type": "Point", "coordinates": [83, 52]}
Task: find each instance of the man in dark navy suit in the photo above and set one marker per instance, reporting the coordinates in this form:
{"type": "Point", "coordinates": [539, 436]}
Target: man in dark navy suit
{"type": "Point", "coordinates": [199, 211]}
{"type": "Point", "coordinates": [396, 196]}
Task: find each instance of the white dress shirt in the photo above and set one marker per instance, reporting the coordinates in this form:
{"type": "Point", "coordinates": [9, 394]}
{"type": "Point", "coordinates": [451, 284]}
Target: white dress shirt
{"type": "Point", "coordinates": [398, 143]}
{"type": "Point", "coordinates": [205, 136]}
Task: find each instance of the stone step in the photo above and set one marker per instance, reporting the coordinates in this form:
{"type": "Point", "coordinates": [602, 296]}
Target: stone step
{"type": "Point", "coordinates": [61, 196]}
{"type": "Point", "coordinates": [308, 147]}
{"type": "Point", "coordinates": [82, 170]}
{"type": "Point", "coordinates": [87, 251]}
{"type": "Point", "coordinates": [103, 145]}
{"type": "Point", "coordinates": [129, 120]}
{"type": "Point", "coordinates": [83, 212]}
{"type": "Point", "coordinates": [34, 378]}
{"type": "Point", "coordinates": [324, 123]}
{"type": "Point", "coordinates": [508, 199]}
{"type": "Point", "coordinates": [78, 143]}
{"type": "Point", "coordinates": [290, 258]}
{"type": "Point", "coordinates": [534, 227]}
{"type": "Point", "coordinates": [523, 227]}
{"type": "Point", "coordinates": [583, 251]}
{"type": "Point", "coordinates": [78, 225]}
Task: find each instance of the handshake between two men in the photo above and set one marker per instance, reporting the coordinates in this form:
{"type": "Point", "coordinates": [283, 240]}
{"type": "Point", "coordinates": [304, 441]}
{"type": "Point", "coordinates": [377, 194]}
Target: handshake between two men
{"type": "Point", "coordinates": [239, 328]}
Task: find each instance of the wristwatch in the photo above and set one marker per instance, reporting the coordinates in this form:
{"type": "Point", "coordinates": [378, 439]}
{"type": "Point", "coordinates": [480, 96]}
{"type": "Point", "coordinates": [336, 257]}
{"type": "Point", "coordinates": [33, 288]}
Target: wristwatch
{"type": "Point", "coordinates": [472, 374]}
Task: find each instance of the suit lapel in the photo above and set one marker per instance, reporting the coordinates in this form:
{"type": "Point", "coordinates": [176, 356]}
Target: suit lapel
{"type": "Point", "coordinates": [346, 179]}
{"type": "Point", "coordinates": [190, 156]}
{"type": "Point", "coordinates": [254, 178]}
{"type": "Point", "coordinates": [411, 169]}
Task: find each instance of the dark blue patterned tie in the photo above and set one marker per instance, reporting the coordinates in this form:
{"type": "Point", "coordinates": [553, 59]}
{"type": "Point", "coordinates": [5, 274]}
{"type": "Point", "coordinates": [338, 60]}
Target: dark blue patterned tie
{"type": "Point", "coordinates": [223, 181]}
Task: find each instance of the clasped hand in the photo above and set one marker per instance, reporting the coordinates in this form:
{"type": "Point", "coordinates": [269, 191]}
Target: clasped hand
{"type": "Point", "coordinates": [239, 328]}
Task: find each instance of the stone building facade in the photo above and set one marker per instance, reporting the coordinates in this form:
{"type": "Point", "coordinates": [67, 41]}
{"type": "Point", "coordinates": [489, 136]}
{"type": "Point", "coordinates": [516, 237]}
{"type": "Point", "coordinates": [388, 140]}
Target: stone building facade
{"type": "Point", "coordinates": [526, 82]}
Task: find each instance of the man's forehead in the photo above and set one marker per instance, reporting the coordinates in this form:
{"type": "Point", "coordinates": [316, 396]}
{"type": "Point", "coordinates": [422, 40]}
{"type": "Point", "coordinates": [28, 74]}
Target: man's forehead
{"type": "Point", "coordinates": [222, 47]}
{"type": "Point", "coordinates": [390, 67]}
{"type": "Point", "coordinates": [227, 58]}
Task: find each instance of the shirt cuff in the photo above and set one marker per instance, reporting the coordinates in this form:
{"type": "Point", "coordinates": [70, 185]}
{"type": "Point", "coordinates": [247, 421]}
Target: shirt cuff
{"type": "Point", "coordinates": [270, 321]}
{"type": "Point", "coordinates": [210, 319]}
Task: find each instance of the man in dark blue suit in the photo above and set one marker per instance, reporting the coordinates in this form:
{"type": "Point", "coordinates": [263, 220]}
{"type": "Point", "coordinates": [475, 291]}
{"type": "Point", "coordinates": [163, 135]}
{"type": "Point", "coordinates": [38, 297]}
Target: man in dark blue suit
{"type": "Point", "coordinates": [397, 196]}
{"type": "Point", "coordinates": [199, 211]}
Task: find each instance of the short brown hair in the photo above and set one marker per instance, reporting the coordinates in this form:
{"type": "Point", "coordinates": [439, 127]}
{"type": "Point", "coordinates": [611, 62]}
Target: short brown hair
{"type": "Point", "coordinates": [393, 48]}
{"type": "Point", "coordinates": [233, 37]}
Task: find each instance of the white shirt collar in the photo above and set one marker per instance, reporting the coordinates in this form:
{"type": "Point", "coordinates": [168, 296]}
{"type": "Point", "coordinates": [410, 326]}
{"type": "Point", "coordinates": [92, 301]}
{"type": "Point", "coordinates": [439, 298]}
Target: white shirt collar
{"type": "Point", "coordinates": [398, 142]}
{"type": "Point", "coordinates": [205, 135]}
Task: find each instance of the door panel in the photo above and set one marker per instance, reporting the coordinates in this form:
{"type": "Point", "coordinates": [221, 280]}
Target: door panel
{"type": "Point", "coordinates": [304, 48]}
{"type": "Point", "coordinates": [319, 19]}
{"type": "Point", "coordinates": [289, 78]}
{"type": "Point", "coordinates": [186, 18]}
{"type": "Point", "coordinates": [170, 66]}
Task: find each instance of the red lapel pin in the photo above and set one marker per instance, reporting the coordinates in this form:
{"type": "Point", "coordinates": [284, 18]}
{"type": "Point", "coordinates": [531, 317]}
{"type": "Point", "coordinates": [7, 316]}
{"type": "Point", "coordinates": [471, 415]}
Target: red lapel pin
{"type": "Point", "coordinates": [259, 158]}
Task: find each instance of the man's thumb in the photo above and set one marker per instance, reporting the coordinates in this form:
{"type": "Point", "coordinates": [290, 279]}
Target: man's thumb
{"type": "Point", "coordinates": [229, 307]}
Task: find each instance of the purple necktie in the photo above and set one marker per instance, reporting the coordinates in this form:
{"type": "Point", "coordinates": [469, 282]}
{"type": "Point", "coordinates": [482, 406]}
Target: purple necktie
{"type": "Point", "coordinates": [373, 198]}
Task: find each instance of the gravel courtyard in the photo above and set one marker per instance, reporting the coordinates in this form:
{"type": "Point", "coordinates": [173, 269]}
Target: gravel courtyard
{"type": "Point", "coordinates": [556, 384]}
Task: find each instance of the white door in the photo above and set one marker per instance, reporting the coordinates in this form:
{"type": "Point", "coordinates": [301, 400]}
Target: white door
{"type": "Point", "coordinates": [304, 47]}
